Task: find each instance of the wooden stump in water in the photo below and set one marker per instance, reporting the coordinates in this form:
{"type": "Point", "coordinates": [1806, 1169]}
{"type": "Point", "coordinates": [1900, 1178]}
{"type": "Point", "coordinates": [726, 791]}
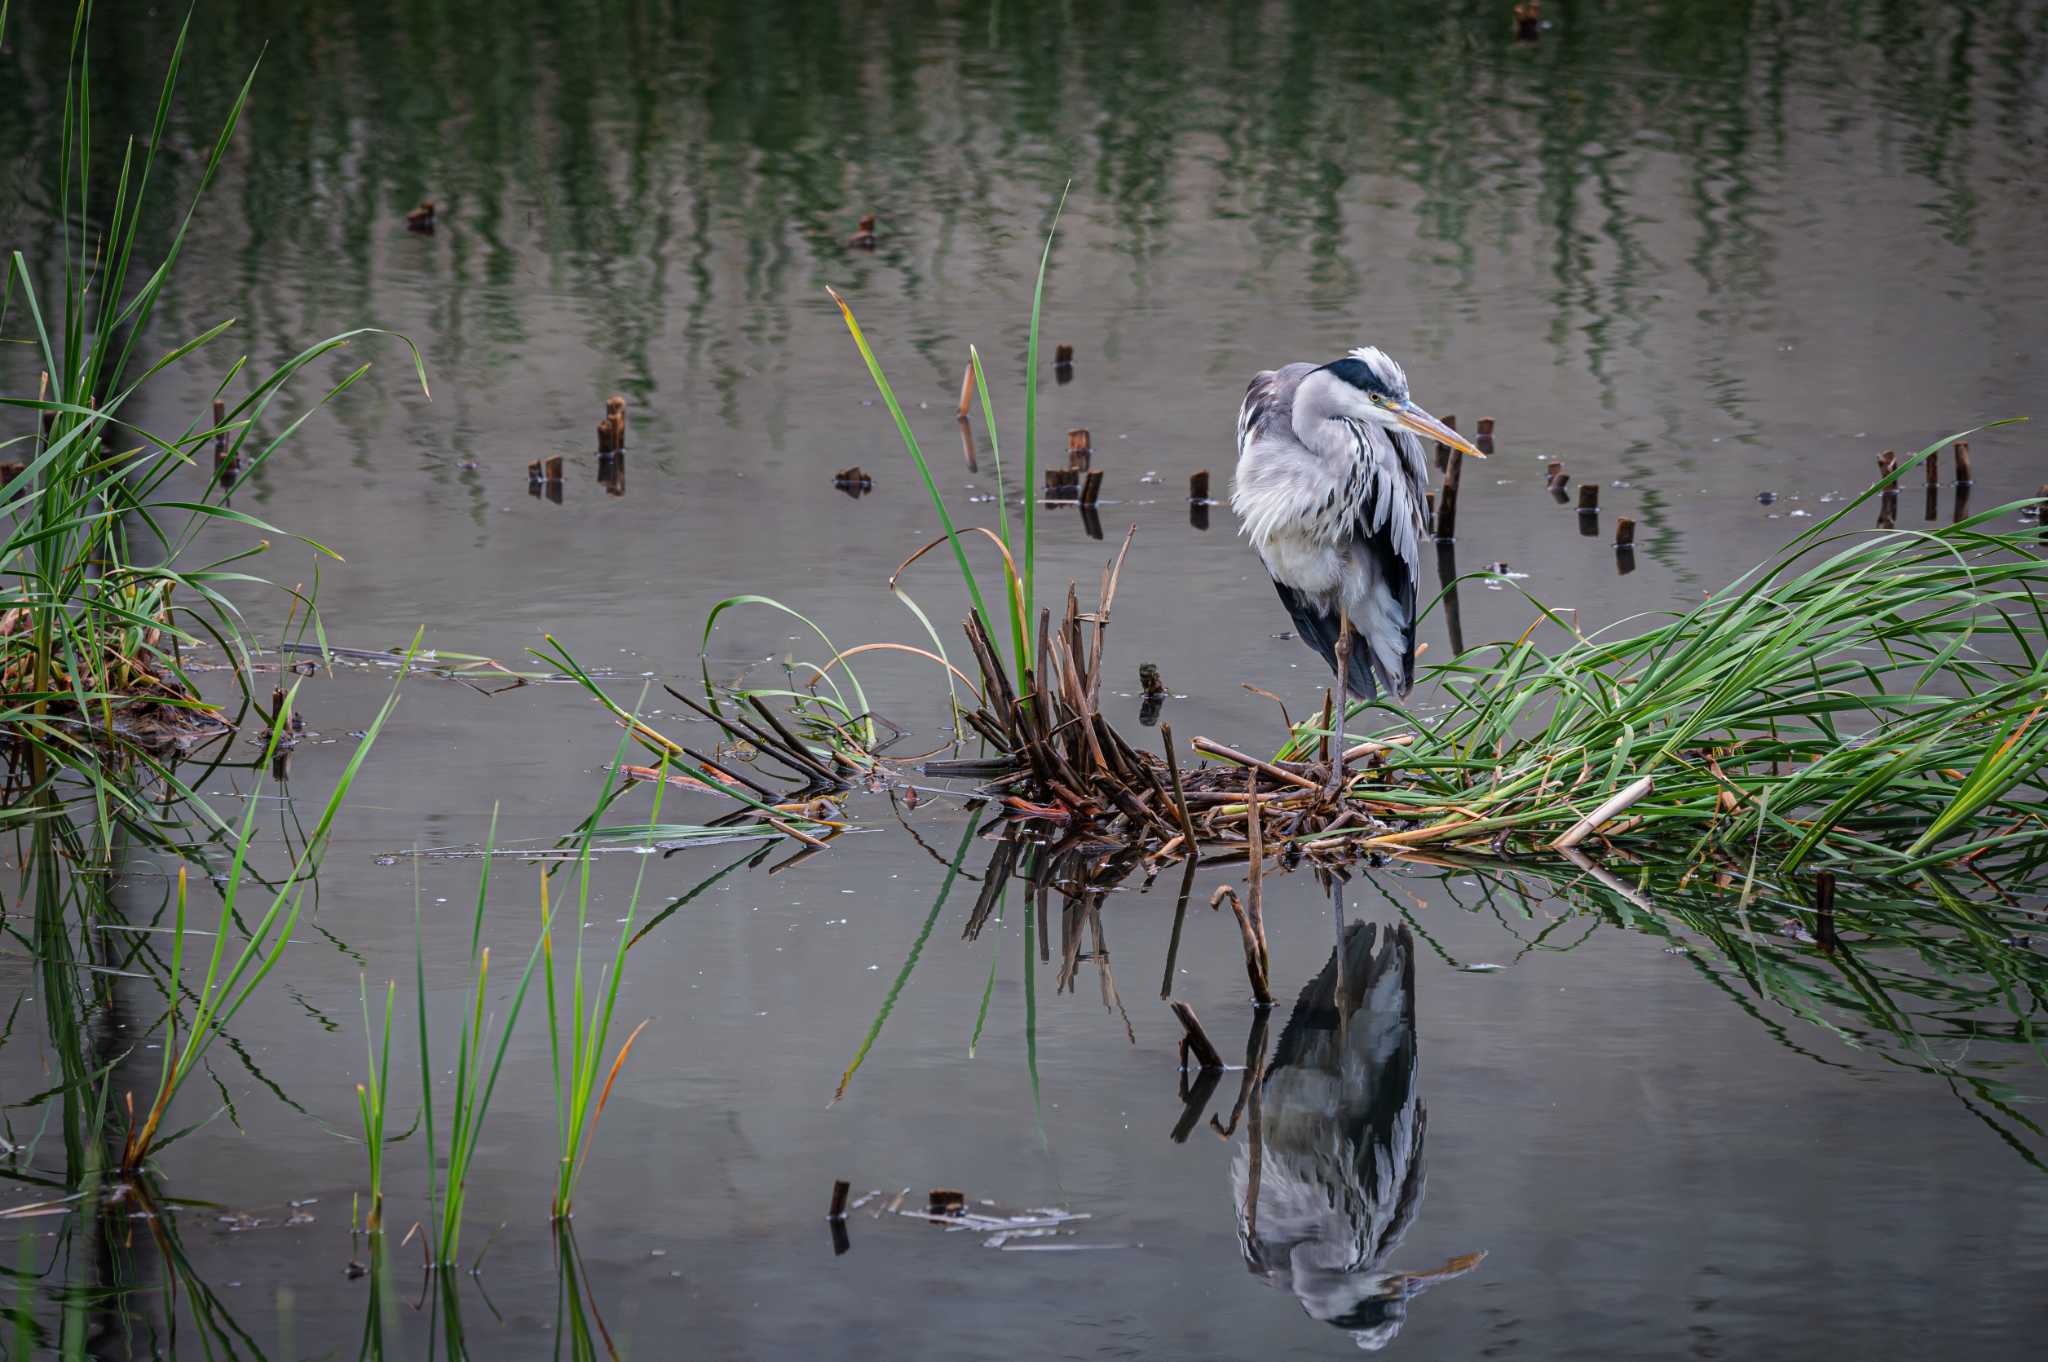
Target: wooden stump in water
{"type": "Point", "coordinates": [615, 413]}
{"type": "Point", "coordinates": [1080, 451]}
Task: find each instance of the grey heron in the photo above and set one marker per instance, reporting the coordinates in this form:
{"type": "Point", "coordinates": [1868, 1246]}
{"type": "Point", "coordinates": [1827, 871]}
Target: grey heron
{"type": "Point", "coordinates": [1331, 479]}
{"type": "Point", "coordinates": [1328, 1191]}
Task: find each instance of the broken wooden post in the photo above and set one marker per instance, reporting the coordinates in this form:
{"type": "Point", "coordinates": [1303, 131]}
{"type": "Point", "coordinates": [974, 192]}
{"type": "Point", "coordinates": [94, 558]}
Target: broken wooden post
{"type": "Point", "coordinates": [615, 412]}
{"type": "Point", "coordinates": [1198, 486]}
{"type": "Point", "coordinates": [554, 468]}
{"type": "Point", "coordinates": [1092, 488]}
{"type": "Point", "coordinates": [1063, 363]}
{"type": "Point", "coordinates": [853, 481]}
{"type": "Point", "coordinates": [1624, 532]}
{"type": "Point", "coordinates": [1962, 453]}
{"type": "Point", "coordinates": [1443, 451]}
{"type": "Point", "coordinates": [1079, 451]}
{"type": "Point", "coordinates": [1446, 516]}
{"type": "Point", "coordinates": [1528, 21]}
{"type": "Point", "coordinates": [1484, 443]}
{"type": "Point", "coordinates": [1824, 911]}
{"type": "Point", "coordinates": [604, 438]}
{"type": "Point", "coordinates": [421, 219]}
{"type": "Point", "coordinates": [945, 1201]}
{"type": "Point", "coordinates": [1557, 480]}
{"type": "Point", "coordinates": [1887, 462]}
{"type": "Point", "coordinates": [840, 1188]}
{"type": "Point", "coordinates": [1063, 354]}
{"type": "Point", "coordinates": [1194, 1039]}
{"type": "Point", "coordinates": [864, 238]}
{"type": "Point", "coordinates": [1589, 496]}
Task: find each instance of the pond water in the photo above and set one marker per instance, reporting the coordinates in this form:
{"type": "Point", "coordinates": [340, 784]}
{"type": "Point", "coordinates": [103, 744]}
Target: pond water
{"type": "Point", "coordinates": [1713, 257]}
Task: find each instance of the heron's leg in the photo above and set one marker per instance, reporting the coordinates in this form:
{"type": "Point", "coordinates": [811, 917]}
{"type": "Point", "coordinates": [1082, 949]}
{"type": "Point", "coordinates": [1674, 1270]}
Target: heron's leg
{"type": "Point", "coordinates": [1342, 709]}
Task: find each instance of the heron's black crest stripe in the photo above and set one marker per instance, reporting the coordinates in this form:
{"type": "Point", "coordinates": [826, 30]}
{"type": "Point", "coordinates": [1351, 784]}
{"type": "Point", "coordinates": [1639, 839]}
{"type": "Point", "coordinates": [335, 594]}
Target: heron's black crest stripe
{"type": "Point", "coordinates": [1359, 374]}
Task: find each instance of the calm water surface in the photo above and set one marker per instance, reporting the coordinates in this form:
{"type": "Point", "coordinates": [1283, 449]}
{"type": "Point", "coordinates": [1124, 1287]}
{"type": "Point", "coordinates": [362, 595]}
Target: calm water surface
{"type": "Point", "coordinates": [1697, 252]}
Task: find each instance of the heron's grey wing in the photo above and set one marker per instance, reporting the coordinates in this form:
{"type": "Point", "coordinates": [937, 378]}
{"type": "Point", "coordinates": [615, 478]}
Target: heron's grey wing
{"type": "Point", "coordinates": [1386, 560]}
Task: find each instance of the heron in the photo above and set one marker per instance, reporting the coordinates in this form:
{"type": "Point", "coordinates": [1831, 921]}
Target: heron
{"type": "Point", "coordinates": [1331, 481]}
{"type": "Point", "coordinates": [1329, 1190]}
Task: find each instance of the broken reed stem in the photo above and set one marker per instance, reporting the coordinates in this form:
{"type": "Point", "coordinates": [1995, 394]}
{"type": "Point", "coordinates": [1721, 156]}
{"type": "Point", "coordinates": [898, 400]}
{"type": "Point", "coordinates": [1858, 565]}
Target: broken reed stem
{"type": "Point", "coordinates": [1374, 746]}
{"type": "Point", "coordinates": [1194, 1038]}
{"type": "Point", "coordinates": [1231, 754]}
{"type": "Point", "coordinates": [1255, 818]}
{"type": "Point", "coordinates": [1254, 965]}
{"type": "Point", "coordinates": [1180, 794]}
{"type": "Point", "coordinates": [1592, 822]}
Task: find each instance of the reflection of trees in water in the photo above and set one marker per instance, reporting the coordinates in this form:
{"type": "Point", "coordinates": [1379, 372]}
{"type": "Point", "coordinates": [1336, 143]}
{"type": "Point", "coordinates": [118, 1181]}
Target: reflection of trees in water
{"type": "Point", "coordinates": [593, 148]}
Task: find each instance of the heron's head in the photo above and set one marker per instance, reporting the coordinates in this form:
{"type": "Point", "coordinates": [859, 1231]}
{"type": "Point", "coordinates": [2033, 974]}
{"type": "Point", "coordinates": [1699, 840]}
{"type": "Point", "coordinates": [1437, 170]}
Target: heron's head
{"type": "Point", "coordinates": [1366, 385]}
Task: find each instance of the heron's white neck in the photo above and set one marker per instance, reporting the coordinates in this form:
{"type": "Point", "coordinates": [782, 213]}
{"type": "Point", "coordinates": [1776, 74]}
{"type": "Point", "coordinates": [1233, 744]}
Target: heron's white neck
{"type": "Point", "coordinates": [1324, 406]}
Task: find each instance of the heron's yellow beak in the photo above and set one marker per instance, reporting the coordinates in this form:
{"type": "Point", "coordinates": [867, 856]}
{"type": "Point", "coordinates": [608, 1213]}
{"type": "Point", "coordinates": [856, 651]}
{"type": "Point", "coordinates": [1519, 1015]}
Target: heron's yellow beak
{"type": "Point", "coordinates": [1427, 426]}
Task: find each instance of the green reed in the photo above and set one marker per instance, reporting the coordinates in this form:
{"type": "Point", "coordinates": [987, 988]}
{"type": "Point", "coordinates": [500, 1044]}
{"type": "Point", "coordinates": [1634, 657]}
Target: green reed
{"type": "Point", "coordinates": [97, 602]}
{"type": "Point", "coordinates": [1020, 580]}
{"type": "Point", "coordinates": [228, 985]}
{"type": "Point", "coordinates": [370, 1099]}
{"type": "Point", "coordinates": [1866, 699]}
{"type": "Point", "coordinates": [579, 1098]}
{"type": "Point", "coordinates": [477, 1063]}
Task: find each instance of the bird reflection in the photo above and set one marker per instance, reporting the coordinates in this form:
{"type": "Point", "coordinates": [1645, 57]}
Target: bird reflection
{"type": "Point", "coordinates": [1330, 1174]}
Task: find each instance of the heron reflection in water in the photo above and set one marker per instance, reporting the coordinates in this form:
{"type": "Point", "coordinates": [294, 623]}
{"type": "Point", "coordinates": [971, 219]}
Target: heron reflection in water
{"type": "Point", "coordinates": [1330, 1174]}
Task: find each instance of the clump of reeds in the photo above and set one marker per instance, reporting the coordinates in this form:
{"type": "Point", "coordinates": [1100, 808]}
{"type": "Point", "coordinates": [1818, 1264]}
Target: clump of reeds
{"type": "Point", "coordinates": [371, 1095]}
{"type": "Point", "coordinates": [97, 602]}
{"type": "Point", "coordinates": [1866, 699]}
{"type": "Point", "coordinates": [477, 1065]}
{"type": "Point", "coordinates": [579, 1098]}
{"type": "Point", "coordinates": [228, 984]}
